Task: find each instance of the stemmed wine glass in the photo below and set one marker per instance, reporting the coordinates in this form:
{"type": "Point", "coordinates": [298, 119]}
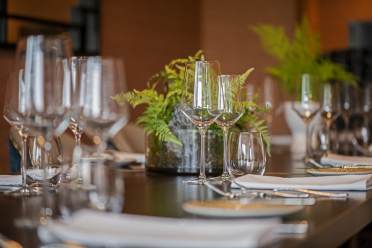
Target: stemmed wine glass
{"type": "Point", "coordinates": [47, 76]}
{"type": "Point", "coordinates": [101, 115]}
{"type": "Point", "coordinates": [78, 77]}
{"type": "Point", "coordinates": [14, 113]}
{"type": "Point", "coordinates": [362, 138]}
{"type": "Point", "coordinates": [199, 102]}
{"type": "Point", "coordinates": [306, 107]}
{"type": "Point", "coordinates": [47, 81]}
{"type": "Point", "coordinates": [230, 108]}
{"type": "Point", "coordinates": [330, 110]}
{"type": "Point", "coordinates": [348, 105]}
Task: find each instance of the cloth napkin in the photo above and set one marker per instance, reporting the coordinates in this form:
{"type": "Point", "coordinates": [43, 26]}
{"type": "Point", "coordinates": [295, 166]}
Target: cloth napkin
{"type": "Point", "coordinates": [337, 160]}
{"type": "Point", "coordinates": [345, 182]}
{"type": "Point", "coordinates": [10, 180]}
{"type": "Point", "coordinates": [88, 227]}
{"type": "Point", "coordinates": [127, 156]}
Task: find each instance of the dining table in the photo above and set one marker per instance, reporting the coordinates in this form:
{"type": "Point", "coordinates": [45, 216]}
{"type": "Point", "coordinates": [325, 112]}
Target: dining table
{"type": "Point", "coordinates": [331, 222]}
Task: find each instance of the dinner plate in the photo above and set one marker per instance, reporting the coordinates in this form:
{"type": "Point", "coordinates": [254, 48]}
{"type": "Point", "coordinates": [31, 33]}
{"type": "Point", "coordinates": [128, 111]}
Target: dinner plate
{"type": "Point", "coordinates": [233, 208]}
{"type": "Point", "coordinates": [339, 171]}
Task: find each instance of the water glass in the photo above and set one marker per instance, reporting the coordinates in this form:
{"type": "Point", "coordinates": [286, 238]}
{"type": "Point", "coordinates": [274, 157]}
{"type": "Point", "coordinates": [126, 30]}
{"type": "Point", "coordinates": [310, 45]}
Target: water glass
{"type": "Point", "coordinates": [101, 188]}
{"type": "Point", "coordinates": [247, 153]}
{"type": "Point", "coordinates": [52, 160]}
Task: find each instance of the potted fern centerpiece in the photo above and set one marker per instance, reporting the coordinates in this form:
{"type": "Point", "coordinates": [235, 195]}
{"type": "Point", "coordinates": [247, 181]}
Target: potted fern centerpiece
{"type": "Point", "coordinates": [296, 56]}
{"type": "Point", "coordinates": [172, 140]}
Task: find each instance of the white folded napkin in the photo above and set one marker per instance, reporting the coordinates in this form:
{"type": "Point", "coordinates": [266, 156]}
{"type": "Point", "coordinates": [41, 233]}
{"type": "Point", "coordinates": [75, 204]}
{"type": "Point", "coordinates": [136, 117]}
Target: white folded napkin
{"type": "Point", "coordinates": [88, 227]}
{"type": "Point", "coordinates": [127, 156]}
{"type": "Point", "coordinates": [10, 180]}
{"type": "Point", "coordinates": [345, 182]}
{"type": "Point", "coordinates": [341, 160]}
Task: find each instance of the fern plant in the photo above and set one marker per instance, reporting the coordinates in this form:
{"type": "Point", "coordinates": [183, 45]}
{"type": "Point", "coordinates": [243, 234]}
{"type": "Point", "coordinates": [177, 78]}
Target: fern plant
{"type": "Point", "coordinates": [164, 92]}
{"type": "Point", "coordinates": [298, 55]}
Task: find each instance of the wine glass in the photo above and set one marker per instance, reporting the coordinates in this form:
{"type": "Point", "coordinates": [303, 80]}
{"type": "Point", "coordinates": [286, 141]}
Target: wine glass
{"type": "Point", "coordinates": [78, 77]}
{"type": "Point", "coordinates": [47, 79]}
{"type": "Point", "coordinates": [348, 107]}
{"type": "Point", "coordinates": [199, 102]}
{"type": "Point", "coordinates": [101, 188]}
{"type": "Point", "coordinates": [306, 107]}
{"type": "Point", "coordinates": [362, 138]}
{"type": "Point", "coordinates": [246, 153]}
{"type": "Point", "coordinates": [330, 110]}
{"type": "Point", "coordinates": [14, 113]}
{"type": "Point", "coordinates": [47, 76]}
{"type": "Point", "coordinates": [230, 108]}
{"type": "Point", "coordinates": [101, 115]}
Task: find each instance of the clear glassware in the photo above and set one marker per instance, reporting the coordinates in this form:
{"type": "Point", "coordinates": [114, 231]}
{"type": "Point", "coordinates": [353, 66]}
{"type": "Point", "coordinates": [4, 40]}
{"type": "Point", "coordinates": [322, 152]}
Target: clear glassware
{"type": "Point", "coordinates": [47, 82]}
{"type": "Point", "coordinates": [349, 105]}
{"type": "Point", "coordinates": [102, 188]}
{"type": "Point", "coordinates": [47, 77]}
{"type": "Point", "coordinates": [78, 77]}
{"type": "Point", "coordinates": [268, 100]}
{"type": "Point", "coordinates": [362, 137]}
{"type": "Point", "coordinates": [330, 110]}
{"type": "Point", "coordinates": [14, 113]}
{"type": "Point", "coordinates": [306, 106]}
{"type": "Point", "coordinates": [199, 102]}
{"type": "Point", "coordinates": [246, 153]}
{"type": "Point", "coordinates": [230, 107]}
{"type": "Point", "coordinates": [102, 116]}
{"type": "Point", "coordinates": [53, 160]}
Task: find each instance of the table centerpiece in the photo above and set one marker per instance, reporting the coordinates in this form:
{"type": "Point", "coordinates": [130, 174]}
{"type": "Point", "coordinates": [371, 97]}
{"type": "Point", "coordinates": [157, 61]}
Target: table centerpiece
{"type": "Point", "coordinates": [172, 143]}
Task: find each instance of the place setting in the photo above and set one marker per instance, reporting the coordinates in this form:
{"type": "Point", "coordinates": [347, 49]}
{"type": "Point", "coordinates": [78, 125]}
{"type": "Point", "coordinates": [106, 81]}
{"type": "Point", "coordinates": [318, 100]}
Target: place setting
{"type": "Point", "coordinates": [184, 147]}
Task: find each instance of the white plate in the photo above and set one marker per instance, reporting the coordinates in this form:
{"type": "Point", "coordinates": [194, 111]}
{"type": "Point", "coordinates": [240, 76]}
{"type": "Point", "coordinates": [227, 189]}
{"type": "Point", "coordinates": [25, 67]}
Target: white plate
{"type": "Point", "coordinates": [232, 208]}
{"type": "Point", "coordinates": [339, 171]}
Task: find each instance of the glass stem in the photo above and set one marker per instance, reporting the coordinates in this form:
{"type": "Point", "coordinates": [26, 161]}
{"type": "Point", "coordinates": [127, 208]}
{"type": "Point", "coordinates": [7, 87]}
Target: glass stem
{"type": "Point", "coordinates": [46, 212]}
{"type": "Point", "coordinates": [102, 146]}
{"type": "Point", "coordinates": [202, 131]}
{"type": "Point", "coordinates": [308, 140]}
{"type": "Point", "coordinates": [24, 160]}
{"type": "Point", "coordinates": [225, 173]}
{"type": "Point", "coordinates": [77, 138]}
{"type": "Point", "coordinates": [328, 137]}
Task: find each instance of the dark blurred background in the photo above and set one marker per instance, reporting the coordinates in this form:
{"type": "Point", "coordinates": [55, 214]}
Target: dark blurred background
{"type": "Point", "coordinates": [149, 33]}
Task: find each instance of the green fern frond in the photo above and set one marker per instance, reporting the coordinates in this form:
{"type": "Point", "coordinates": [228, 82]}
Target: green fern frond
{"type": "Point", "coordinates": [298, 55]}
{"type": "Point", "coordinates": [160, 106]}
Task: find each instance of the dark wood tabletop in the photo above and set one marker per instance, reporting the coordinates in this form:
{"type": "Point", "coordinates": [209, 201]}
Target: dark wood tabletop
{"type": "Point", "coordinates": [331, 222]}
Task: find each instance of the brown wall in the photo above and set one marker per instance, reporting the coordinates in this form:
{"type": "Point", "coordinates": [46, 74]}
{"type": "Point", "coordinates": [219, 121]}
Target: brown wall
{"type": "Point", "coordinates": [226, 36]}
{"type": "Point", "coordinates": [148, 34]}
{"type": "Point", "coordinates": [6, 61]}
{"type": "Point", "coordinates": [331, 17]}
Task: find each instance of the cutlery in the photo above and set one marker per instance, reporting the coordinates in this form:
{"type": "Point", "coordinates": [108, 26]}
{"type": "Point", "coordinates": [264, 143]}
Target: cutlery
{"type": "Point", "coordinates": [345, 166]}
{"type": "Point", "coordinates": [269, 192]}
{"type": "Point", "coordinates": [260, 193]}
{"type": "Point", "coordinates": [280, 201]}
{"type": "Point", "coordinates": [315, 192]}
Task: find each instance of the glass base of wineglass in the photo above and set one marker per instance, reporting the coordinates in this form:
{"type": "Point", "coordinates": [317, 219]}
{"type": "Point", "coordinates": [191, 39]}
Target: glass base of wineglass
{"type": "Point", "coordinates": [196, 181]}
{"type": "Point", "coordinates": [33, 222]}
{"type": "Point", "coordinates": [24, 191]}
{"type": "Point", "coordinates": [225, 177]}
